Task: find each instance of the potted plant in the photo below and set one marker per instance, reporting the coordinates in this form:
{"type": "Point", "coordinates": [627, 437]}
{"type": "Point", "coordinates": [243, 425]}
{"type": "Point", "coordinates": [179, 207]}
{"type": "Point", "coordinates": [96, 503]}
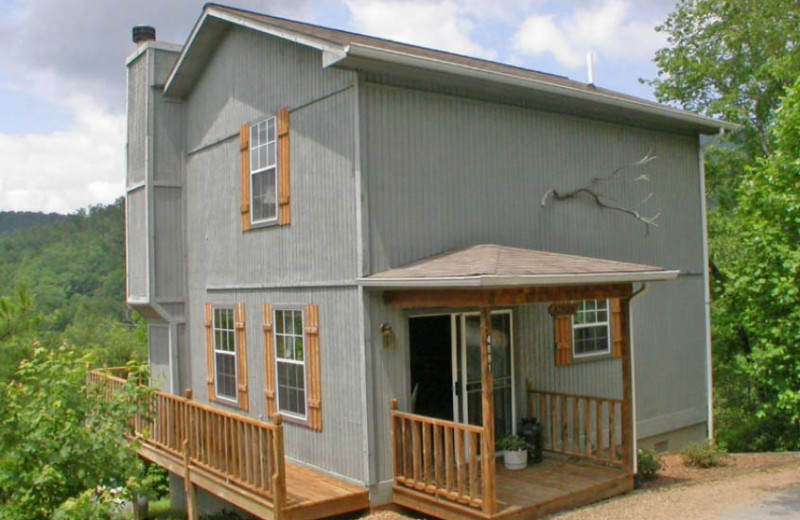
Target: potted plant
{"type": "Point", "coordinates": [515, 452]}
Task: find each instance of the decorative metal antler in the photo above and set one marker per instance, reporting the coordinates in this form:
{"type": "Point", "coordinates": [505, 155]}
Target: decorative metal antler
{"type": "Point", "coordinates": [607, 202]}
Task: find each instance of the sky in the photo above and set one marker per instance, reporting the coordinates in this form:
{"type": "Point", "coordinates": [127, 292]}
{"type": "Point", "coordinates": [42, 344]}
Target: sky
{"type": "Point", "coordinates": [62, 68]}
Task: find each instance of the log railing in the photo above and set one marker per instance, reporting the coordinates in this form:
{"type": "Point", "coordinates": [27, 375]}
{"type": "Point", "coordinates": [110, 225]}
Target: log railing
{"type": "Point", "coordinates": [237, 449]}
{"type": "Point", "coordinates": [441, 458]}
{"type": "Point", "coordinates": [580, 426]}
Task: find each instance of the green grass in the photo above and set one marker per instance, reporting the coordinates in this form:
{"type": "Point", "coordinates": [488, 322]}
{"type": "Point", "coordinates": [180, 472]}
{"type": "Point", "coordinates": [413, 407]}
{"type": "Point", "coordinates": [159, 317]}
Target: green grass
{"type": "Point", "coordinates": [162, 510]}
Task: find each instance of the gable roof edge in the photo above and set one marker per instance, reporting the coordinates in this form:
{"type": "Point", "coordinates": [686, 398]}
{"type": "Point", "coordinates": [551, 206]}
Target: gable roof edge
{"type": "Point", "coordinates": [357, 50]}
{"type": "Point", "coordinates": [328, 48]}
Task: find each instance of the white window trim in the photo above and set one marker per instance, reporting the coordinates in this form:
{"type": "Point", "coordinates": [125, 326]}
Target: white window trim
{"type": "Point", "coordinates": [253, 172]}
{"type": "Point", "coordinates": [281, 308]}
{"type": "Point", "coordinates": [235, 354]}
{"type": "Point", "coordinates": [607, 323]}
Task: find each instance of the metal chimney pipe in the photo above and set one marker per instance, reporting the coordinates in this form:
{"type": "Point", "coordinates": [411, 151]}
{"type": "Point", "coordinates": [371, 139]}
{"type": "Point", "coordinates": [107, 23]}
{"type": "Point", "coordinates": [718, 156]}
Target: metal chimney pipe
{"type": "Point", "coordinates": [143, 34]}
{"type": "Point", "coordinates": [590, 68]}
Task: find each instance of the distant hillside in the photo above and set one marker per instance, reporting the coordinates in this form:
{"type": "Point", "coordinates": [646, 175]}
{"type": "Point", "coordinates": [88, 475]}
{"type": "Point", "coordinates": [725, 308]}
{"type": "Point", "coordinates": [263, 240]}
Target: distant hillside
{"type": "Point", "coordinates": [75, 266]}
{"type": "Point", "coordinates": [11, 221]}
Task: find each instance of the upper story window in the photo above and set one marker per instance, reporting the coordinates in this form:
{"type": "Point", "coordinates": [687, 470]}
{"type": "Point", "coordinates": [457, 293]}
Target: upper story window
{"type": "Point", "coordinates": [264, 171]}
{"type": "Point", "coordinates": [290, 362]}
{"type": "Point", "coordinates": [225, 363]}
{"type": "Point", "coordinates": [591, 328]}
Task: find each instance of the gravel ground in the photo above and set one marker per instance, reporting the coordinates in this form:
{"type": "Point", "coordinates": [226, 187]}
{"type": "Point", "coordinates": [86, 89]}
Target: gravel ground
{"type": "Point", "coordinates": [694, 494]}
{"type": "Point", "coordinates": [746, 483]}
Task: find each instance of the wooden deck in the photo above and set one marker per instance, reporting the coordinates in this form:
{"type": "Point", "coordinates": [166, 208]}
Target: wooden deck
{"type": "Point", "coordinates": [234, 457]}
{"type": "Point", "coordinates": [553, 485]}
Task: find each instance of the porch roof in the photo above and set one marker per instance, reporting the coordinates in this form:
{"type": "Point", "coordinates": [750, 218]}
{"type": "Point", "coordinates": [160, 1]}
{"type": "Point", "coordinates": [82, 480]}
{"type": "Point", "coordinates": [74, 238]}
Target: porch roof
{"type": "Point", "coordinates": [491, 265]}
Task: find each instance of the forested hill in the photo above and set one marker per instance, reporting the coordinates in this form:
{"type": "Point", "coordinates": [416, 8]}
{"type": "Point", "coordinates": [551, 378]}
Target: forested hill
{"type": "Point", "coordinates": [11, 221]}
{"type": "Point", "coordinates": [73, 267]}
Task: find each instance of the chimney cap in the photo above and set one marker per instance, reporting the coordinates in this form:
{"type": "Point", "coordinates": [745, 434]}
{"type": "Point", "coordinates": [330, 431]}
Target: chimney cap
{"type": "Point", "coordinates": [143, 34]}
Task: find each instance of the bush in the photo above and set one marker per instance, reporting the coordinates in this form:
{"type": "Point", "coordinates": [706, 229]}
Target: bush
{"type": "Point", "coordinates": [63, 452]}
{"type": "Point", "coordinates": [512, 443]}
{"type": "Point", "coordinates": [649, 464]}
{"type": "Point", "coordinates": [704, 454]}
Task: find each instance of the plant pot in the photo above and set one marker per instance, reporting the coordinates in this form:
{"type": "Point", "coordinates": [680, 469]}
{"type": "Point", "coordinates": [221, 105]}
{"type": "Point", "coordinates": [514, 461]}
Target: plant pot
{"type": "Point", "coordinates": [515, 460]}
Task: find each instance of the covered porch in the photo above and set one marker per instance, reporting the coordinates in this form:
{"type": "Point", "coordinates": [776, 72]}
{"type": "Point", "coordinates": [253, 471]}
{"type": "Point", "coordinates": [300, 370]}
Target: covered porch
{"type": "Point", "coordinates": [450, 468]}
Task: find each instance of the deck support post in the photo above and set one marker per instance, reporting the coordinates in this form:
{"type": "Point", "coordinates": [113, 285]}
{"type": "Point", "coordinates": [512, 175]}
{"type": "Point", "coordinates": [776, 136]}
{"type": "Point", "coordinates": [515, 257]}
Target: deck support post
{"type": "Point", "coordinates": [487, 387]}
{"type": "Point", "coordinates": [627, 390]}
{"type": "Point", "coordinates": [191, 491]}
{"type": "Point", "coordinates": [279, 477]}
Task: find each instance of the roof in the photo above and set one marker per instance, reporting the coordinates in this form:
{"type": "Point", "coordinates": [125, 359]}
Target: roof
{"type": "Point", "coordinates": [351, 50]}
{"type": "Point", "coordinates": [491, 265]}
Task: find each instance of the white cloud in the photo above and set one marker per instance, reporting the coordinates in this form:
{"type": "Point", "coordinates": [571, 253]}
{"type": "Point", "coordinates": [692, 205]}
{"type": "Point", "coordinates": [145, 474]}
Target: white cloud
{"type": "Point", "coordinates": [611, 30]}
{"type": "Point", "coordinates": [439, 24]}
{"type": "Point", "coordinates": [68, 169]}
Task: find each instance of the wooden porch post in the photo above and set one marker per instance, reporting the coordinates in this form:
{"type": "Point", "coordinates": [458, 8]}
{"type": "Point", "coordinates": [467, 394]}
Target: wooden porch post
{"type": "Point", "coordinates": [487, 386]}
{"type": "Point", "coordinates": [627, 389]}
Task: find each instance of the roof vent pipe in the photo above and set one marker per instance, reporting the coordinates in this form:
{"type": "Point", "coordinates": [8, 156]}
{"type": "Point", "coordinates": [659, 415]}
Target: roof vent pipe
{"type": "Point", "coordinates": [143, 34]}
{"type": "Point", "coordinates": [590, 68]}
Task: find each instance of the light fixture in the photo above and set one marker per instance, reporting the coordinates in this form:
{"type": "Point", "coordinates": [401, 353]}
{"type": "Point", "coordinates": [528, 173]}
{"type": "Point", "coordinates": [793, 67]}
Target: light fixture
{"type": "Point", "coordinates": [387, 333]}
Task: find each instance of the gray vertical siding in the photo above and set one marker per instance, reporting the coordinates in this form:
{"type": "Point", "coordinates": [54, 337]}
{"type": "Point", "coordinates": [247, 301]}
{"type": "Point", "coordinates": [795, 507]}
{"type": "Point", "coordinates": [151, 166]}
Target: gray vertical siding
{"type": "Point", "coordinates": [168, 244]}
{"type": "Point", "coordinates": [136, 244]}
{"type": "Point", "coordinates": [137, 121]}
{"type": "Point", "coordinates": [338, 448]}
{"type": "Point", "coordinates": [154, 215]}
{"type": "Point", "coordinates": [313, 260]}
{"type": "Point", "coordinates": [252, 75]}
{"type": "Point", "coordinates": [471, 172]}
{"type": "Point", "coordinates": [158, 350]}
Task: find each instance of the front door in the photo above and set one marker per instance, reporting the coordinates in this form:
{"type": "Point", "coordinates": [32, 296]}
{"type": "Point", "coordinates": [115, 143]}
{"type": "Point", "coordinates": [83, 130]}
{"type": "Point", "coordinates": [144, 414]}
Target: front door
{"type": "Point", "coordinates": [466, 363]}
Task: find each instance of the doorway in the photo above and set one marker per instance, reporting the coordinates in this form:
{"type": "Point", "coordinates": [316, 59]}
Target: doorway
{"type": "Point", "coordinates": [445, 359]}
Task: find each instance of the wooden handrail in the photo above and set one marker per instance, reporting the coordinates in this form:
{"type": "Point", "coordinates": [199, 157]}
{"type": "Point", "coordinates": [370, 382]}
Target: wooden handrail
{"type": "Point", "coordinates": [238, 449]}
{"type": "Point", "coordinates": [438, 457]}
{"type": "Point", "coordinates": [580, 426]}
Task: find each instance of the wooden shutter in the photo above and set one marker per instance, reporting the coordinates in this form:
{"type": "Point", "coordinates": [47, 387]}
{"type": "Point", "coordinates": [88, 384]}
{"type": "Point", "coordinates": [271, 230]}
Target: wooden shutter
{"type": "Point", "coordinates": [562, 331]}
{"type": "Point", "coordinates": [241, 354]}
{"type": "Point", "coordinates": [244, 148]}
{"type": "Point", "coordinates": [210, 351]}
{"type": "Point", "coordinates": [269, 361]}
{"type": "Point", "coordinates": [617, 336]}
{"type": "Point", "coordinates": [284, 167]}
{"type": "Point", "coordinates": [313, 368]}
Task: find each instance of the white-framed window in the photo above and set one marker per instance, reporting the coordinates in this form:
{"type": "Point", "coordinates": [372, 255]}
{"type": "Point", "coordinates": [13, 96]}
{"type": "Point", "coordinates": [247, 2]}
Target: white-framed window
{"type": "Point", "coordinates": [264, 171]}
{"type": "Point", "coordinates": [290, 362]}
{"type": "Point", "coordinates": [225, 362]}
{"type": "Point", "coordinates": [591, 329]}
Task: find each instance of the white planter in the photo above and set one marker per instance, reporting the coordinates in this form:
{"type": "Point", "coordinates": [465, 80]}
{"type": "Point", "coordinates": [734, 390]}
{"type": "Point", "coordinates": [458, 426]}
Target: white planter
{"type": "Point", "coordinates": [515, 460]}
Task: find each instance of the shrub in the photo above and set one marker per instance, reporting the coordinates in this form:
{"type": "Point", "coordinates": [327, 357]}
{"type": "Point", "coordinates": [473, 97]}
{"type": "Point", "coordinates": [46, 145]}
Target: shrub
{"type": "Point", "coordinates": [649, 464]}
{"type": "Point", "coordinates": [704, 454]}
{"type": "Point", "coordinates": [512, 443]}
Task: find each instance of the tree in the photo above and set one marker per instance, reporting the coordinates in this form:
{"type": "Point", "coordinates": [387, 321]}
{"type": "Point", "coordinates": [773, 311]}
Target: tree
{"type": "Point", "coordinates": [735, 59]}
{"type": "Point", "coordinates": [63, 446]}
{"type": "Point", "coordinates": [763, 288]}
{"type": "Point", "coordinates": [731, 59]}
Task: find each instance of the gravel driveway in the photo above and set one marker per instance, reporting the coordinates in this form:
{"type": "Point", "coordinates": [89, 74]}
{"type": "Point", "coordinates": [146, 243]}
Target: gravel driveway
{"type": "Point", "coordinates": [754, 493]}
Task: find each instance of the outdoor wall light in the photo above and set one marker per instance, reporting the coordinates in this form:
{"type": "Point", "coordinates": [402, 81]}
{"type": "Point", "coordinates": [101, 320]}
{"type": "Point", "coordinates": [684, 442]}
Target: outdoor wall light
{"type": "Point", "coordinates": [388, 335]}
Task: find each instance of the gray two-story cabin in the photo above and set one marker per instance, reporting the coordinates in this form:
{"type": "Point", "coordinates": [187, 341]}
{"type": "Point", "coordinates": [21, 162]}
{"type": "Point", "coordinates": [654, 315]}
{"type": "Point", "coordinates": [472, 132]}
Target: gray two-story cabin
{"type": "Point", "coordinates": [367, 262]}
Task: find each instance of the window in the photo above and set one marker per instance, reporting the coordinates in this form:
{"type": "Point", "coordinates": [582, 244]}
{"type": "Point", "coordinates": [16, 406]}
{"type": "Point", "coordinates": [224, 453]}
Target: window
{"type": "Point", "coordinates": [224, 334]}
{"type": "Point", "coordinates": [290, 362]}
{"type": "Point", "coordinates": [264, 171]}
{"type": "Point", "coordinates": [590, 328]}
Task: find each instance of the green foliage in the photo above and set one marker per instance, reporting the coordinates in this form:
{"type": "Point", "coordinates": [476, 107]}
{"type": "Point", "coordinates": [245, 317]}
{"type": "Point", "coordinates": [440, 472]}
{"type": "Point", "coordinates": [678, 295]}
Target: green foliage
{"type": "Point", "coordinates": [736, 59]}
{"type": "Point", "coordinates": [62, 445]}
{"type": "Point", "coordinates": [75, 267]}
{"type": "Point", "coordinates": [11, 221]}
{"type": "Point", "coordinates": [512, 443]}
{"type": "Point", "coordinates": [762, 293]}
{"type": "Point", "coordinates": [649, 464]}
{"type": "Point", "coordinates": [731, 58]}
{"type": "Point", "coordinates": [156, 480]}
{"type": "Point", "coordinates": [704, 454]}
